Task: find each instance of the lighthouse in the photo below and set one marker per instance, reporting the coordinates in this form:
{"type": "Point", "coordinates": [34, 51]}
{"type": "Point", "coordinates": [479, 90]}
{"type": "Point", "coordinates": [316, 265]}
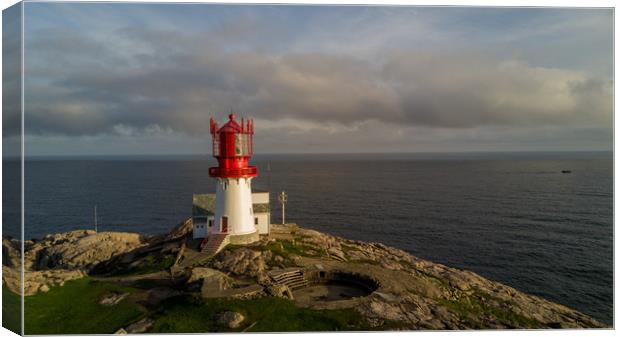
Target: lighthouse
{"type": "Point", "coordinates": [233, 218]}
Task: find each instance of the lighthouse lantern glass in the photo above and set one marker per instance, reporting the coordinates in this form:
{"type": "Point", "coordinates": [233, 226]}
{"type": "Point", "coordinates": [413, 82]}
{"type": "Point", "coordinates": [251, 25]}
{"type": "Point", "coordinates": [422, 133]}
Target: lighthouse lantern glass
{"type": "Point", "coordinates": [232, 146]}
{"type": "Point", "coordinates": [216, 145]}
{"type": "Point", "coordinates": [242, 148]}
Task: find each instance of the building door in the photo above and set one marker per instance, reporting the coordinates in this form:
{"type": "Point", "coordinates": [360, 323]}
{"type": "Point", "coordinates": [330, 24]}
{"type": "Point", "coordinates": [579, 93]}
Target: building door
{"type": "Point", "coordinates": [224, 224]}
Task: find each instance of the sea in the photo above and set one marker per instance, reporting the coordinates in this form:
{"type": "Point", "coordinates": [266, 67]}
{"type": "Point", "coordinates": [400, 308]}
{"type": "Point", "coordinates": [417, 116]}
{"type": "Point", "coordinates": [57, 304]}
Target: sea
{"type": "Point", "coordinates": [515, 218]}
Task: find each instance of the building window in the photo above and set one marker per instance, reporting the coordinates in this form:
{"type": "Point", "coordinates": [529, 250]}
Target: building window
{"type": "Point", "coordinates": [210, 223]}
{"type": "Point", "coordinates": [256, 221]}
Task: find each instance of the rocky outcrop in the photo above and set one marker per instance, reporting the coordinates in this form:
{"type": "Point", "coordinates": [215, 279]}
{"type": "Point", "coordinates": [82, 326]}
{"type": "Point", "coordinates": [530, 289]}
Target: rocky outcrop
{"type": "Point", "coordinates": [415, 293]}
{"type": "Point", "coordinates": [58, 258]}
{"type": "Point", "coordinates": [209, 281]}
{"type": "Point", "coordinates": [230, 319]}
{"type": "Point", "coordinates": [39, 280]}
{"type": "Point", "coordinates": [200, 274]}
{"type": "Point", "coordinates": [418, 293]}
{"type": "Point", "coordinates": [140, 326]}
{"type": "Point", "coordinates": [181, 230]}
{"type": "Point", "coordinates": [10, 252]}
{"type": "Point", "coordinates": [280, 290]}
{"type": "Point", "coordinates": [81, 249]}
{"type": "Point", "coordinates": [241, 262]}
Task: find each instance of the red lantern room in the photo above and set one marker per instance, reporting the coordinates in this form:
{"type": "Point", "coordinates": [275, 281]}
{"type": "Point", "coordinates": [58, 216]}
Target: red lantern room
{"type": "Point", "coordinates": [232, 146]}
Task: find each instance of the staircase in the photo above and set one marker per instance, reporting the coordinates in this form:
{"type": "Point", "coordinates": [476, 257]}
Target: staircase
{"type": "Point", "coordinates": [213, 243]}
{"type": "Point", "coordinates": [293, 278]}
{"type": "Point", "coordinates": [198, 252]}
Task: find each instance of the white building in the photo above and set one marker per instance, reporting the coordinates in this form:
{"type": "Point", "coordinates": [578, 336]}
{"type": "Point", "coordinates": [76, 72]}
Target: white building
{"type": "Point", "coordinates": [204, 209]}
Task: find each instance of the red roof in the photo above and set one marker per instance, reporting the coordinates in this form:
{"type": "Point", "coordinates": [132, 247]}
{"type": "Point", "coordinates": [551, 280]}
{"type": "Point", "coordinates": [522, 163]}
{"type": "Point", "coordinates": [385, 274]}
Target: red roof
{"type": "Point", "coordinates": [231, 125]}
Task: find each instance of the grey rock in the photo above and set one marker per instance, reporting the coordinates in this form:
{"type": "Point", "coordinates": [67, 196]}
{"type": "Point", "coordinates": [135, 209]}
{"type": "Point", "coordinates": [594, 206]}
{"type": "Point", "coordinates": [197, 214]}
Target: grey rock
{"type": "Point", "coordinates": [230, 319]}
{"type": "Point", "coordinates": [280, 290]}
{"type": "Point", "coordinates": [241, 261]}
{"type": "Point", "coordinates": [81, 249]}
{"type": "Point", "coordinates": [336, 253]}
{"type": "Point", "coordinates": [140, 326]}
{"type": "Point", "coordinates": [113, 299]}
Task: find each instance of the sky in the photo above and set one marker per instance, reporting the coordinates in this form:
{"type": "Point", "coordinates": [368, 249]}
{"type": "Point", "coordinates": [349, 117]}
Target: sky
{"type": "Point", "coordinates": [103, 78]}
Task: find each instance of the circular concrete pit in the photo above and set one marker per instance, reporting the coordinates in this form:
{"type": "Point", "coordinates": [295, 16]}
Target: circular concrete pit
{"type": "Point", "coordinates": [327, 286]}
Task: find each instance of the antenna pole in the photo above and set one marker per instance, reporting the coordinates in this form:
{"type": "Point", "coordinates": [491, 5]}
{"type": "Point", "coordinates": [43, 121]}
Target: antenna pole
{"type": "Point", "coordinates": [283, 198]}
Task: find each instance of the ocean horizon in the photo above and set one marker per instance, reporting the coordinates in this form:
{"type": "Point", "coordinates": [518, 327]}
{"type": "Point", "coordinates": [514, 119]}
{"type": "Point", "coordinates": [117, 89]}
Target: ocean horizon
{"type": "Point", "coordinates": [494, 154]}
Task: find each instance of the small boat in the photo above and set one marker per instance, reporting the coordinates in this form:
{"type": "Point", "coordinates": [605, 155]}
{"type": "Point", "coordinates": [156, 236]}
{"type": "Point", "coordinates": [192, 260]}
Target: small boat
{"type": "Point", "coordinates": [566, 171]}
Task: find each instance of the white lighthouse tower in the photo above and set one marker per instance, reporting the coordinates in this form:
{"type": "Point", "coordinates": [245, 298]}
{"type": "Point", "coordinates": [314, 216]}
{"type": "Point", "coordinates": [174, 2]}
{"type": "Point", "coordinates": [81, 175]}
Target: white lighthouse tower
{"type": "Point", "coordinates": [233, 221]}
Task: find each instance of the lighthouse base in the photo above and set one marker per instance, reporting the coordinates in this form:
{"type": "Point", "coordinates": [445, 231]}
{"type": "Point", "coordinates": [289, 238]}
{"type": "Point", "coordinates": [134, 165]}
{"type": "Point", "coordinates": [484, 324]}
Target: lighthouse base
{"type": "Point", "coordinates": [214, 243]}
{"type": "Point", "coordinates": [203, 217]}
{"type": "Point", "coordinates": [243, 239]}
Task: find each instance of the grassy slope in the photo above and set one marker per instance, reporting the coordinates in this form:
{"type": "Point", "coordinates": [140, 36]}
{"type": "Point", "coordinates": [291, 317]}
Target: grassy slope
{"type": "Point", "coordinates": [186, 314]}
{"type": "Point", "coordinates": [74, 308]}
{"type": "Point", "coordinates": [11, 313]}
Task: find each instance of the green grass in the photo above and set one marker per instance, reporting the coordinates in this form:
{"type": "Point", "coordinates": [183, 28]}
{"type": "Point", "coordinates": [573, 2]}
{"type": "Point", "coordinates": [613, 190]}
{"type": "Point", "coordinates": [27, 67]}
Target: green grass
{"type": "Point", "coordinates": [75, 308]}
{"type": "Point", "coordinates": [11, 310]}
{"type": "Point", "coordinates": [472, 309]}
{"type": "Point", "coordinates": [153, 264]}
{"type": "Point", "coordinates": [285, 248]}
{"type": "Point", "coordinates": [232, 246]}
{"type": "Point", "coordinates": [150, 264]}
{"type": "Point", "coordinates": [185, 314]}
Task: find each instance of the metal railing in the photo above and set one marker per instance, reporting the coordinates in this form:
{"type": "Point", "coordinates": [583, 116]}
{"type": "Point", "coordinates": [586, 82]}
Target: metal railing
{"type": "Point", "coordinates": [234, 172]}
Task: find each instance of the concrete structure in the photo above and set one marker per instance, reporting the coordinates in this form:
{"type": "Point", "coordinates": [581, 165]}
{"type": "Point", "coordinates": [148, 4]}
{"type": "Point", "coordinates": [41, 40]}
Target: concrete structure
{"type": "Point", "coordinates": [203, 213]}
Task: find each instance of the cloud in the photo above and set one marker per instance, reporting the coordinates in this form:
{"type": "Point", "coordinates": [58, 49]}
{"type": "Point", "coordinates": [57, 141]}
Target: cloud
{"type": "Point", "coordinates": [319, 77]}
{"type": "Point", "coordinates": [11, 74]}
{"type": "Point", "coordinates": [178, 86]}
{"type": "Point", "coordinates": [472, 90]}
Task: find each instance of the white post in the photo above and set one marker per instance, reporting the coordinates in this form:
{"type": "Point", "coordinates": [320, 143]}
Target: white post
{"type": "Point", "coordinates": [283, 198]}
